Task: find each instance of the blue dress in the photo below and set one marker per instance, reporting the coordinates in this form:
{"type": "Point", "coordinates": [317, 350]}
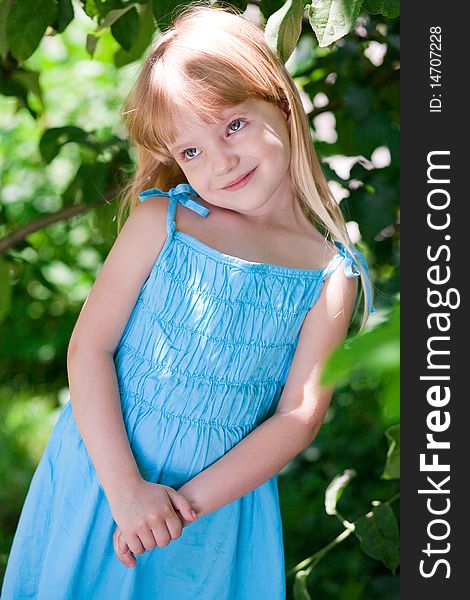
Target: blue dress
{"type": "Point", "coordinates": [201, 362]}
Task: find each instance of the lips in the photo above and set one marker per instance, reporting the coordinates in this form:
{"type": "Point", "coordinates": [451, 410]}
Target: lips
{"type": "Point", "coordinates": [240, 179]}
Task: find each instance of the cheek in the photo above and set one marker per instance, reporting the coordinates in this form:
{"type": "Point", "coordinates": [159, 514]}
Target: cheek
{"type": "Point", "coordinates": [278, 152]}
{"type": "Point", "coordinates": [275, 142]}
{"type": "Point", "coordinates": [197, 179]}
{"type": "Point", "coordinates": [190, 172]}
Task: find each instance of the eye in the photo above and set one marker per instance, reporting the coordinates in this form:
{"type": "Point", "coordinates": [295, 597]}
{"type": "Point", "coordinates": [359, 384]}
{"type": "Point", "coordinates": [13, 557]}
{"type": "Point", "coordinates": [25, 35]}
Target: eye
{"type": "Point", "coordinates": [189, 153]}
{"type": "Point", "coordinates": [239, 124]}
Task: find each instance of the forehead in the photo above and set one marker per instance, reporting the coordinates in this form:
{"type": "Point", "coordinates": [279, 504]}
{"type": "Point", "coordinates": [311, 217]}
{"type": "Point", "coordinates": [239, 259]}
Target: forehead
{"type": "Point", "coordinates": [185, 118]}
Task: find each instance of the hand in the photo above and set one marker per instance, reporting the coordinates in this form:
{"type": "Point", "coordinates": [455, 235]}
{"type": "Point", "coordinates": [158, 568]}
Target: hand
{"type": "Point", "coordinates": [145, 514]}
{"type": "Point", "coordinates": [123, 551]}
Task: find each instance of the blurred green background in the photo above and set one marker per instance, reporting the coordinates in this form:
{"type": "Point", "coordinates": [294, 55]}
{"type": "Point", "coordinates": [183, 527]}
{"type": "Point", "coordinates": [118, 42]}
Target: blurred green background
{"type": "Point", "coordinates": [63, 156]}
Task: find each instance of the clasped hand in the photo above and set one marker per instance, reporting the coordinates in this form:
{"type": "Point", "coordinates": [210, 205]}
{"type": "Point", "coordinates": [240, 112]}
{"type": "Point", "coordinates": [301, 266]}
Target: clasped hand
{"type": "Point", "coordinates": [147, 515]}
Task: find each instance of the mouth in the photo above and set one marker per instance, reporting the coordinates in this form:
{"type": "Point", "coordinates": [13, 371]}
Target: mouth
{"type": "Point", "coordinates": [241, 181]}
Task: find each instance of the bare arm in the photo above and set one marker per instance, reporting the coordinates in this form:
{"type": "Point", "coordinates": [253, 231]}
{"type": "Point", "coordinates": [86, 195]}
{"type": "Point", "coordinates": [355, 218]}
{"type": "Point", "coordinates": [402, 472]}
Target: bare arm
{"type": "Point", "coordinates": [94, 393]}
{"type": "Point", "coordinates": [145, 512]}
{"type": "Point", "coordinates": [299, 415]}
{"type": "Point", "coordinates": [97, 411]}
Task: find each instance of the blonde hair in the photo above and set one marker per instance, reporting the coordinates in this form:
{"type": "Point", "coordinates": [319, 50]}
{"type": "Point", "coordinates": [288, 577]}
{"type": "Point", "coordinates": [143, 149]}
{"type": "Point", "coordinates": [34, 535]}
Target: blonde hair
{"type": "Point", "coordinates": [210, 59]}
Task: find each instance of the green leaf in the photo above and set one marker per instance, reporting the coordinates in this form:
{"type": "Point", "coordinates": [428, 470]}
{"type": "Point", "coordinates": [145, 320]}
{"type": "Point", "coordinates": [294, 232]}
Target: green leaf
{"type": "Point", "coordinates": [390, 396]}
{"type": "Point", "coordinates": [300, 586]}
{"type": "Point", "coordinates": [104, 28]}
{"type": "Point", "coordinates": [268, 7]}
{"type": "Point", "coordinates": [53, 139]}
{"type": "Point", "coordinates": [164, 11]}
{"type": "Point", "coordinates": [388, 8]}
{"type": "Point", "coordinates": [376, 350]}
{"type": "Point", "coordinates": [10, 87]}
{"type": "Point", "coordinates": [30, 80]}
{"type": "Point", "coordinates": [375, 204]}
{"type": "Point", "coordinates": [91, 42]}
{"type": "Point", "coordinates": [89, 184]}
{"type": "Point", "coordinates": [335, 490]}
{"type": "Point", "coordinates": [378, 535]}
{"type": "Point", "coordinates": [90, 8]}
{"type": "Point", "coordinates": [392, 466]}
{"type": "Point", "coordinates": [26, 27]}
{"type": "Point", "coordinates": [331, 20]}
{"type": "Point", "coordinates": [283, 28]}
{"type": "Point", "coordinates": [146, 30]}
{"type": "Point", "coordinates": [125, 30]}
{"type": "Point", "coordinates": [64, 15]}
{"type": "Point", "coordinates": [5, 289]}
{"type": "Point", "coordinates": [5, 6]}
{"type": "Point", "coordinates": [93, 179]}
{"type": "Point", "coordinates": [113, 16]}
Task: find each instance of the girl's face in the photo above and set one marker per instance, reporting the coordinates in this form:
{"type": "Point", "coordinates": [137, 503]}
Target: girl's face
{"type": "Point", "coordinates": [241, 163]}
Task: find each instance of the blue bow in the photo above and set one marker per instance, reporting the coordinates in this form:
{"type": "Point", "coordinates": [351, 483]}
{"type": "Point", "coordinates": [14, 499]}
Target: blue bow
{"type": "Point", "coordinates": [183, 193]}
{"type": "Point", "coordinates": [351, 269]}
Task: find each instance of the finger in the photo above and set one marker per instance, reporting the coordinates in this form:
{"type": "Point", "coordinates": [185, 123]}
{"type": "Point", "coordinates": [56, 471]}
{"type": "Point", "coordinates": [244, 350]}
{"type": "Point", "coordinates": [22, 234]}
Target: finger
{"type": "Point", "coordinates": [182, 504]}
{"type": "Point", "coordinates": [147, 538]}
{"type": "Point", "coordinates": [161, 534]}
{"type": "Point", "coordinates": [175, 526]}
{"type": "Point", "coordinates": [135, 545]}
{"type": "Point", "coordinates": [126, 558]}
{"type": "Point", "coordinates": [123, 547]}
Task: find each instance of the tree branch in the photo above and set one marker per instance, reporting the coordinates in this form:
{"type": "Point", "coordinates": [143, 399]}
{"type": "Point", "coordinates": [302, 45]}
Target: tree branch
{"type": "Point", "coordinates": [67, 212]}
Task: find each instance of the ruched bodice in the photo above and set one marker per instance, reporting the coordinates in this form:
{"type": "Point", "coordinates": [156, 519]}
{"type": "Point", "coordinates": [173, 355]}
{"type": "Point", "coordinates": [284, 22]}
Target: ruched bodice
{"type": "Point", "coordinates": [212, 336]}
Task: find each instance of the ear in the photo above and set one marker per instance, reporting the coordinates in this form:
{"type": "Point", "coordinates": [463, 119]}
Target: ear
{"type": "Point", "coordinates": [286, 109]}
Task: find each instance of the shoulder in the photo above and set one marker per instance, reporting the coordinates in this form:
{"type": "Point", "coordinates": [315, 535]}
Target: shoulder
{"type": "Point", "coordinates": [328, 321]}
{"type": "Point", "coordinates": [121, 277]}
{"type": "Point", "coordinates": [155, 207]}
{"type": "Point", "coordinates": [144, 231]}
{"type": "Point", "coordinates": [338, 295]}
{"type": "Point", "coordinates": [338, 291]}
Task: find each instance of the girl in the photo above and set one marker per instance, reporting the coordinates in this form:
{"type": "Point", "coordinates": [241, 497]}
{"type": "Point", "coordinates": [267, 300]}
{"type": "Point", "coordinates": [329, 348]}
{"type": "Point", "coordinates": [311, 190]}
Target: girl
{"type": "Point", "coordinates": [194, 365]}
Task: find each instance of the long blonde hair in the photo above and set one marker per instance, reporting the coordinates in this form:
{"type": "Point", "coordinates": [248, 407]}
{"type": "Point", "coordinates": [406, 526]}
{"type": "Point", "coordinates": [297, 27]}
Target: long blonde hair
{"type": "Point", "coordinates": [210, 59]}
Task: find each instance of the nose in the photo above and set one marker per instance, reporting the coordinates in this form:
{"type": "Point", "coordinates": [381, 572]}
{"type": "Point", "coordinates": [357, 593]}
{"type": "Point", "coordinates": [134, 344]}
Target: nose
{"type": "Point", "coordinates": [224, 160]}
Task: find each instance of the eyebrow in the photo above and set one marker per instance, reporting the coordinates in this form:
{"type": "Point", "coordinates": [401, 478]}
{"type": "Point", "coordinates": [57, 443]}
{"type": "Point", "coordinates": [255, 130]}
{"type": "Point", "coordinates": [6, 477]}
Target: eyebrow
{"type": "Point", "coordinates": [228, 119]}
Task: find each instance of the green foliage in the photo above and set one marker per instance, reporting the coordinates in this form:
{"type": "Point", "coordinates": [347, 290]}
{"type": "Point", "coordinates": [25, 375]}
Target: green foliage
{"type": "Point", "coordinates": [21, 29]}
{"type": "Point", "coordinates": [378, 352]}
{"type": "Point", "coordinates": [331, 20]}
{"type": "Point", "coordinates": [378, 534]}
{"type": "Point", "coordinates": [146, 30]}
{"type": "Point", "coordinates": [53, 140]}
{"type": "Point", "coordinates": [388, 8]}
{"type": "Point", "coordinates": [284, 26]}
{"type": "Point", "coordinates": [377, 531]}
{"type": "Point", "coordinates": [166, 10]}
{"type": "Point", "coordinates": [64, 15]}
{"type": "Point", "coordinates": [335, 490]}
{"type": "Point", "coordinates": [392, 467]}
{"type": "Point", "coordinates": [63, 154]}
{"type": "Point", "coordinates": [126, 29]}
{"type": "Point", "coordinates": [5, 289]}
{"type": "Point", "coordinates": [25, 27]}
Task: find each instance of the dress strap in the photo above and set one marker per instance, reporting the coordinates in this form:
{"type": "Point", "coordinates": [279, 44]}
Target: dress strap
{"type": "Point", "coordinates": [351, 268]}
{"type": "Point", "coordinates": [183, 193]}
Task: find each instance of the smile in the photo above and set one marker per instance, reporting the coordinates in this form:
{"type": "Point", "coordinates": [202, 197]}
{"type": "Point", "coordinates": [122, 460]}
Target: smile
{"type": "Point", "coordinates": [241, 181]}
